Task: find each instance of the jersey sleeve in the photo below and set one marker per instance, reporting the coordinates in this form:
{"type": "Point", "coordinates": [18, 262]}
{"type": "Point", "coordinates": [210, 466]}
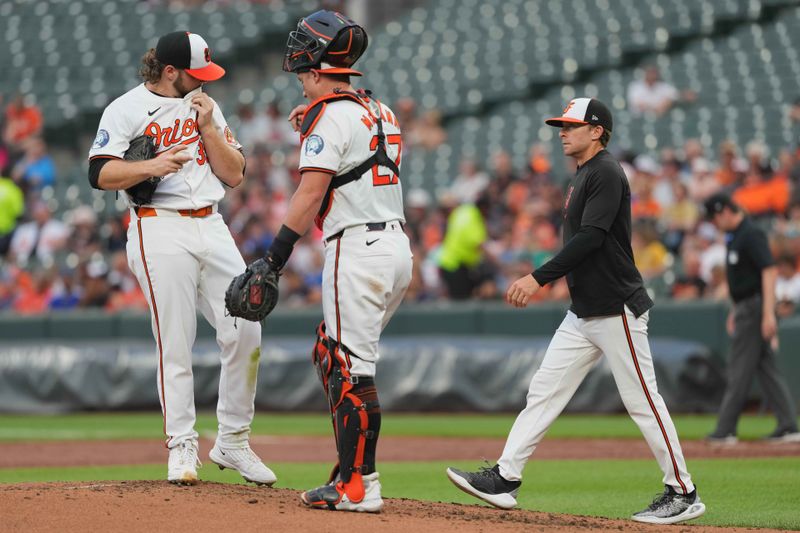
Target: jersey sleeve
{"type": "Point", "coordinates": [113, 134]}
{"type": "Point", "coordinates": [224, 129]}
{"type": "Point", "coordinates": [603, 198]}
{"type": "Point", "coordinates": [323, 149]}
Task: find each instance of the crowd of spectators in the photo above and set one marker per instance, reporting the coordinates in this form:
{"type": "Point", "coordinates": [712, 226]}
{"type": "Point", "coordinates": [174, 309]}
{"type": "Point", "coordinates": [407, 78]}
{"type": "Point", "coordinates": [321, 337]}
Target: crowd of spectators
{"type": "Point", "coordinates": [511, 224]}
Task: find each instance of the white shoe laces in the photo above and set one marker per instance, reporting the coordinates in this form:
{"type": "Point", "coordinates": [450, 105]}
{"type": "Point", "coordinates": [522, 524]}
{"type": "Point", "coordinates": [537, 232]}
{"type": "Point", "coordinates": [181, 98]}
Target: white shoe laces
{"type": "Point", "coordinates": [187, 454]}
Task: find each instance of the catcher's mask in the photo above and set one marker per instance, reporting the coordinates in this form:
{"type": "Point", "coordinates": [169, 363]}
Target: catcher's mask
{"type": "Point", "coordinates": [325, 41]}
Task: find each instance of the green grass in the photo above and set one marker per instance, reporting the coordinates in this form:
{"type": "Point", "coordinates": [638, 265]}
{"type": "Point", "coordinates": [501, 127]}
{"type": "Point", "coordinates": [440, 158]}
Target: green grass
{"type": "Point", "coordinates": [751, 492]}
{"type": "Point", "coordinates": [745, 493]}
{"type": "Point", "coordinates": [148, 425]}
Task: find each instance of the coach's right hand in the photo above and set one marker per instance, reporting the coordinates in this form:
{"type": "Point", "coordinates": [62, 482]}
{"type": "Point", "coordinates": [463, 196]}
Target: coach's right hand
{"type": "Point", "coordinates": [521, 291]}
{"type": "Point", "coordinates": [170, 161]}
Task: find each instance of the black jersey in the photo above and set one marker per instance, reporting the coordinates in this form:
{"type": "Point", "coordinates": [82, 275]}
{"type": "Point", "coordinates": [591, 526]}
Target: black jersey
{"type": "Point", "coordinates": [747, 255]}
{"type": "Point", "coordinates": [607, 279]}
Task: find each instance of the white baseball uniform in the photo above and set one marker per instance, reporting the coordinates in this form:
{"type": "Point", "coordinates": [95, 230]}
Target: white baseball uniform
{"type": "Point", "coordinates": [184, 257]}
{"type": "Point", "coordinates": [367, 271]}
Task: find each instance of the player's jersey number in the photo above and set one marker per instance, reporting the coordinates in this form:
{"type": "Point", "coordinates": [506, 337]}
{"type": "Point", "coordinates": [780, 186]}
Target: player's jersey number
{"type": "Point", "coordinates": [378, 179]}
{"type": "Point", "coordinates": [201, 154]}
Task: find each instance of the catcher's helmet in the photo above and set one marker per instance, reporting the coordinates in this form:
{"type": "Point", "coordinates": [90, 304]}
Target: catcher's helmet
{"type": "Point", "coordinates": [325, 41]}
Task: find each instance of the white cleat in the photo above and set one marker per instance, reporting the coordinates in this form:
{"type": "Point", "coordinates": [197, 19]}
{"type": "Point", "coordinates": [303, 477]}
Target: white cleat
{"type": "Point", "coordinates": [183, 464]}
{"type": "Point", "coordinates": [243, 460]}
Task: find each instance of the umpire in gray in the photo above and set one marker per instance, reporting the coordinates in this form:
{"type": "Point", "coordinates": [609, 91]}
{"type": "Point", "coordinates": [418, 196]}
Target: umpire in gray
{"type": "Point", "coordinates": [751, 324]}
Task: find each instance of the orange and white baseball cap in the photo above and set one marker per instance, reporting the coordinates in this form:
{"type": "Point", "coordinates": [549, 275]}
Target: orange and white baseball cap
{"type": "Point", "coordinates": [584, 111]}
{"type": "Point", "coordinates": [190, 52]}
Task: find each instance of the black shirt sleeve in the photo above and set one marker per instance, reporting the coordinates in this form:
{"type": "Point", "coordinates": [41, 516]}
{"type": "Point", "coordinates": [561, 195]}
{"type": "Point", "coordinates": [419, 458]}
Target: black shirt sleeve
{"type": "Point", "coordinates": [758, 250]}
{"type": "Point", "coordinates": [603, 197]}
{"type": "Point", "coordinates": [95, 166]}
{"type": "Point", "coordinates": [584, 242]}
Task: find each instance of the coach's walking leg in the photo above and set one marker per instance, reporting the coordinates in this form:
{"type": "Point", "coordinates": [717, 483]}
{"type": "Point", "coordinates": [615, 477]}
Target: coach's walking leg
{"type": "Point", "coordinates": [568, 359]}
{"type": "Point", "coordinates": [625, 344]}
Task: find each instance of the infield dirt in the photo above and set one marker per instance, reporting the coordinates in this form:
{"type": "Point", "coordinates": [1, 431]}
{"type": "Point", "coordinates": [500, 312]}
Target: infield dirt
{"type": "Point", "coordinates": [148, 506]}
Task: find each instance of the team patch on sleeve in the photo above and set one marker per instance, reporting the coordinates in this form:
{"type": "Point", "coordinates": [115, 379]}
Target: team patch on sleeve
{"type": "Point", "coordinates": [101, 139]}
{"type": "Point", "coordinates": [229, 136]}
{"type": "Point", "coordinates": [314, 145]}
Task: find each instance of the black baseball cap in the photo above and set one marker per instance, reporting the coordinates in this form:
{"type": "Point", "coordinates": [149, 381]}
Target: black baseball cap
{"type": "Point", "coordinates": [584, 111]}
{"type": "Point", "coordinates": [716, 203]}
{"type": "Point", "coordinates": [190, 52]}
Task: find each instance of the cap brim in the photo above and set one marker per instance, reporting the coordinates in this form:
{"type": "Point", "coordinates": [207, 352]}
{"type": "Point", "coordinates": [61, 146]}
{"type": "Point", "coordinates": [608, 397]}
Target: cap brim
{"type": "Point", "coordinates": [559, 121]}
{"type": "Point", "coordinates": [337, 70]}
{"type": "Point", "coordinates": [210, 72]}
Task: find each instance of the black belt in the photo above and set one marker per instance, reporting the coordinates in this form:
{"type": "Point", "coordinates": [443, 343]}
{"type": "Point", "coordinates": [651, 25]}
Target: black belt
{"type": "Point", "coordinates": [371, 226]}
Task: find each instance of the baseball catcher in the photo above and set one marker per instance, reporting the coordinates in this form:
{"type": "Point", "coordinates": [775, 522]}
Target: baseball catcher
{"type": "Point", "coordinates": [350, 187]}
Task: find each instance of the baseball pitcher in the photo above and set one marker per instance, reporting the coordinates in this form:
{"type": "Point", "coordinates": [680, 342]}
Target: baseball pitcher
{"type": "Point", "coordinates": [167, 145]}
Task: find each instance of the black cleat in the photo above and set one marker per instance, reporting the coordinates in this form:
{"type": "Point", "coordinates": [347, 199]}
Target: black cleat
{"type": "Point", "coordinates": [671, 508]}
{"type": "Point", "coordinates": [488, 485]}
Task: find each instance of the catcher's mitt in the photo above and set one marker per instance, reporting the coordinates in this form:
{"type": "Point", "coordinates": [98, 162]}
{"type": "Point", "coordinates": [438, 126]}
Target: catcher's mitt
{"type": "Point", "coordinates": [141, 148]}
{"type": "Point", "coordinates": [253, 294]}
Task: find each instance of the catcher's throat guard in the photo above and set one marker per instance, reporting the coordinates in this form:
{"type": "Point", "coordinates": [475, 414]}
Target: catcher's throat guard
{"type": "Point", "coordinates": [351, 400]}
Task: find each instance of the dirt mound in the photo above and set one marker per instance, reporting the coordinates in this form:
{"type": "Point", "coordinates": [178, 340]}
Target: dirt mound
{"type": "Point", "coordinates": [146, 506]}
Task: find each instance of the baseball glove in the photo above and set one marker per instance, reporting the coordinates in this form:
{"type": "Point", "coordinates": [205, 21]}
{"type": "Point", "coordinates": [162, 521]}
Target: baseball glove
{"type": "Point", "coordinates": [142, 148]}
{"type": "Point", "coordinates": [253, 294]}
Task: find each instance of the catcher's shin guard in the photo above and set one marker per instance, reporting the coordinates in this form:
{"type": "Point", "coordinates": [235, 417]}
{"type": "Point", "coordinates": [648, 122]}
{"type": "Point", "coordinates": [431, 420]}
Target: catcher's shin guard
{"type": "Point", "coordinates": [356, 416]}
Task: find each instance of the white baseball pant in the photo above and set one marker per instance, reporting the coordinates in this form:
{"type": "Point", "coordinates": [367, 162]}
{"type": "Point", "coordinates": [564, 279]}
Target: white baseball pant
{"type": "Point", "coordinates": [184, 264]}
{"type": "Point", "coordinates": [362, 286]}
{"type": "Point", "coordinates": [575, 348]}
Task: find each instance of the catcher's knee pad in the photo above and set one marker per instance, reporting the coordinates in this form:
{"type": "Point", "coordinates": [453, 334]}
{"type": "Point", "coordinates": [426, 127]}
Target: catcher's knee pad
{"type": "Point", "coordinates": [332, 361]}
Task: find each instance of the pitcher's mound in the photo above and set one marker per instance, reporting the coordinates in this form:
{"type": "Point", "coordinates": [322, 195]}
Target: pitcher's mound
{"type": "Point", "coordinates": [147, 506]}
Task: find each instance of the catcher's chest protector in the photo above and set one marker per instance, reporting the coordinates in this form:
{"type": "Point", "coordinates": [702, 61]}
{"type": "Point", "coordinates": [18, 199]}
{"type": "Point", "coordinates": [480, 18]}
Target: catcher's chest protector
{"type": "Point", "coordinates": [379, 158]}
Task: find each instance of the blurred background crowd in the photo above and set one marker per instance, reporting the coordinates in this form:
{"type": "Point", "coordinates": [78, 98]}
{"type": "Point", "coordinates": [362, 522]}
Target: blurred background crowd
{"type": "Point", "coordinates": [488, 220]}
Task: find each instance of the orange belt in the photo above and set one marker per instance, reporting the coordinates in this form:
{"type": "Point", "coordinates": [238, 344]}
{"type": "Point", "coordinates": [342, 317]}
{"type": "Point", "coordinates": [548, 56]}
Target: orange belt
{"type": "Point", "coordinates": [142, 212]}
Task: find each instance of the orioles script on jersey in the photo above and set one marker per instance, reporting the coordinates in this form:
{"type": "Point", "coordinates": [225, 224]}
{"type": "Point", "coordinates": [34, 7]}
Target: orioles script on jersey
{"type": "Point", "coordinates": [175, 134]}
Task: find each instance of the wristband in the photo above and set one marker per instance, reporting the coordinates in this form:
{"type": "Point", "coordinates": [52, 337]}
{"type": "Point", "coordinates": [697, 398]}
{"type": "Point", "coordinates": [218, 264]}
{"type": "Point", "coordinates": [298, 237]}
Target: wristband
{"type": "Point", "coordinates": [282, 246]}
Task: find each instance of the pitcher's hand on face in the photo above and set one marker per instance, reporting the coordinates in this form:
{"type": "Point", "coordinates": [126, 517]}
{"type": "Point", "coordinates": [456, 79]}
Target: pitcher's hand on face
{"type": "Point", "coordinates": [170, 161]}
{"type": "Point", "coordinates": [204, 105]}
{"type": "Point", "coordinates": [521, 291]}
{"type": "Point", "coordinates": [296, 116]}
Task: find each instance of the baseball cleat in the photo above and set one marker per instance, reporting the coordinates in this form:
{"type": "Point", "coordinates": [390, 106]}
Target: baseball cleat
{"type": "Point", "coordinates": [717, 439]}
{"type": "Point", "coordinates": [671, 508]}
{"type": "Point", "coordinates": [243, 460]}
{"type": "Point", "coordinates": [488, 485]}
{"type": "Point", "coordinates": [783, 436]}
{"type": "Point", "coordinates": [332, 497]}
{"type": "Point", "coordinates": [183, 464]}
